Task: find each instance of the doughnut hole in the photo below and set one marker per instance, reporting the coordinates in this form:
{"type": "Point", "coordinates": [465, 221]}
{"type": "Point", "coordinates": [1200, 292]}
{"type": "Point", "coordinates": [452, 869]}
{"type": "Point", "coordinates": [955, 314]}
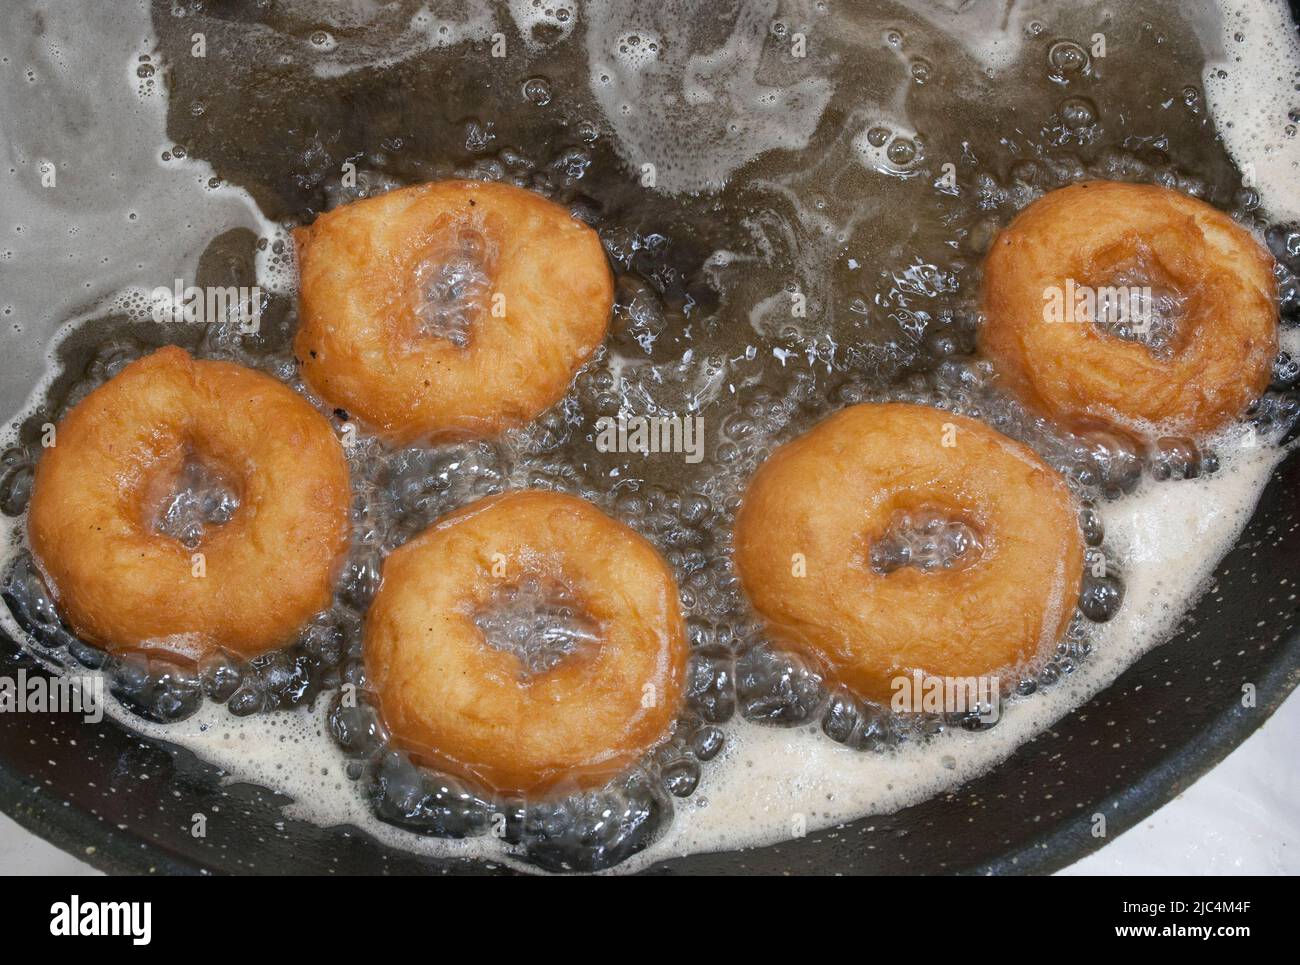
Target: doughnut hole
{"type": "Point", "coordinates": [184, 501]}
{"type": "Point", "coordinates": [540, 622]}
{"type": "Point", "coordinates": [1139, 300]}
{"type": "Point", "coordinates": [928, 538]}
{"type": "Point", "coordinates": [453, 283]}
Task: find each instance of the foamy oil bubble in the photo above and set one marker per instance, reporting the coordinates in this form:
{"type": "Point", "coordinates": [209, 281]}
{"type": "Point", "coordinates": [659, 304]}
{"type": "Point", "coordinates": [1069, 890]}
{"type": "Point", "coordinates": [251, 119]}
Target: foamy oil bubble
{"type": "Point", "coordinates": [544, 23]}
{"type": "Point", "coordinates": [891, 148]}
{"type": "Point", "coordinates": [993, 38]}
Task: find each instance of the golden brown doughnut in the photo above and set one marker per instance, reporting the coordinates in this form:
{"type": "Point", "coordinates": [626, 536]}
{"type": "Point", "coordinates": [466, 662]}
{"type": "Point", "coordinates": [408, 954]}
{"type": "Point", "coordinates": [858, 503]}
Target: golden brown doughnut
{"type": "Point", "coordinates": [121, 584]}
{"type": "Point", "coordinates": [810, 516]}
{"type": "Point", "coordinates": [468, 707]}
{"type": "Point", "coordinates": [1089, 234]}
{"type": "Point", "coordinates": [526, 295]}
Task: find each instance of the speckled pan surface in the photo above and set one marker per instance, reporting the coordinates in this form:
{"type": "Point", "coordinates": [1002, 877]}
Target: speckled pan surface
{"type": "Point", "coordinates": [284, 101]}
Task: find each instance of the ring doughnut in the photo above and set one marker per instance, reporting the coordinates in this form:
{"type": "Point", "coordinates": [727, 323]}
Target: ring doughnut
{"type": "Point", "coordinates": [473, 708]}
{"type": "Point", "coordinates": [450, 309]}
{"type": "Point", "coordinates": [249, 583]}
{"type": "Point", "coordinates": [817, 511]}
{"type": "Point", "coordinates": [1215, 279]}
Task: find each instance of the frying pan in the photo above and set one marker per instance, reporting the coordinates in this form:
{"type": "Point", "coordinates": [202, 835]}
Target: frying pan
{"type": "Point", "coordinates": [124, 803]}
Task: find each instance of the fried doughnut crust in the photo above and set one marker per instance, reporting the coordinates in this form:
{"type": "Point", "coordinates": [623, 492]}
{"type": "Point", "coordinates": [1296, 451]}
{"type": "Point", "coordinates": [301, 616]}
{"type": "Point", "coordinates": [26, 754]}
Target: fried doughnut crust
{"type": "Point", "coordinates": [463, 706]}
{"type": "Point", "coordinates": [360, 342]}
{"type": "Point", "coordinates": [258, 577]}
{"type": "Point", "coordinates": [803, 540]}
{"type": "Point", "coordinates": [1077, 374]}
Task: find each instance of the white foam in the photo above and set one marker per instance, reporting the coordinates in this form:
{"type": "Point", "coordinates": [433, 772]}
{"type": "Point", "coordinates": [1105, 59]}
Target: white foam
{"type": "Point", "coordinates": [1251, 89]}
{"type": "Point", "coordinates": [387, 41]}
{"type": "Point", "coordinates": [697, 117]}
{"type": "Point", "coordinates": [543, 23]}
{"type": "Point", "coordinates": [117, 213]}
{"type": "Point", "coordinates": [991, 33]}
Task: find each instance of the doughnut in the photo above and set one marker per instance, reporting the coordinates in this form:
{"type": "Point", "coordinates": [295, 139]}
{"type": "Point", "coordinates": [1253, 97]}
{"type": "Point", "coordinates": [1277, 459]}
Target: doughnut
{"type": "Point", "coordinates": [818, 509]}
{"type": "Point", "coordinates": [123, 585]}
{"type": "Point", "coordinates": [1216, 282]}
{"type": "Point", "coordinates": [471, 708]}
{"type": "Point", "coordinates": [453, 309]}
